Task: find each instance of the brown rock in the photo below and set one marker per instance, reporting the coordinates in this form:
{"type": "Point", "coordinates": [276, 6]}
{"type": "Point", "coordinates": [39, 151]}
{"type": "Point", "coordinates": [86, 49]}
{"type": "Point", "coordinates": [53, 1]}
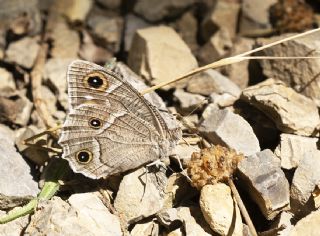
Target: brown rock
{"type": "Point", "coordinates": [159, 54]}
{"type": "Point", "coordinates": [74, 10]}
{"type": "Point", "coordinates": [223, 15]}
{"type": "Point", "coordinates": [291, 111]}
{"type": "Point", "coordinates": [265, 182]}
{"type": "Point", "coordinates": [302, 74]}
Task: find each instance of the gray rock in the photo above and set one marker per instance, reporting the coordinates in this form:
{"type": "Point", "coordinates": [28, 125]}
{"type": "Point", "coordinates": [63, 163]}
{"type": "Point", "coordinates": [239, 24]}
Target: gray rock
{"type": "Point", "coordinates": [255, 16]}
{"type": "Point", "coordinates": [17, 53]}
{"type": "Point", "coordinates": [168, 217]}
{"type": "Point", "coordinates": [306, 177]}
{"type": "Point", "coordinates": [17, 184]}
{"type": "Point", "coordinates": [228, 129]}
{"type": "Point", "coordinates": [293, 148]}
{"type": "Point", "coordinates": [188, 102]}
{"type": "Point", "coordinates": [14, 228]}
{"type": "Point", "coordinates": [239, 72]}
{"type": "Point", "coordinates": [153, 10]}
{"type": "Point", "coordinates": [212, 81]}
{"type": "Point", "coordinates": [300, 74]}
{"type": "Point", "coordinates": [217, 47]}
{"type": "Point", "coordinates": [291, 111]}
{"type": "Point", "coordinates": [146, 191]}
{"type": "Point", "coordinates": [220, 210]}
{"type": "Point", "coordinates": [223, 15]}
{"type": "Point", "coordinates": [159, 54]}
{"type": "Point", "coordinates": [108, 29]}
{"type": "Point", "coordinates": [133, 23]}
{"type": "Point", "coordinates": [310, 225]}
{"type": "Point", "coordinates": [7, 80]}
{"type": "Point", "coordinates": [265, 182]}
{"type": "Point", "coordinates": [14, 107]}
{"type": "Point", "coordinates": [86, 216]}
{"type": "Point", "coordinates": [183, 152]}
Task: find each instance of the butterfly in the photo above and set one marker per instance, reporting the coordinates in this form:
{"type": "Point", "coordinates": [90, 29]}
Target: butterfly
{"type": "Point", "coordinates": [110, 128]}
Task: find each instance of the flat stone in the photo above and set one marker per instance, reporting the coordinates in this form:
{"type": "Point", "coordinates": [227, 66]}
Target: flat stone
{"type": "Point", "coordinates": [265, 182]}
{"type": "Point", "coordinates": [223, 15]}
{"type": "Point", "coordinates": [306, 177]}
{"type": "Point", "coordinates": [17, 53]}
{"type": "Point", "coordinates": [291, 111]}
{"type": "Point", "coordinates": [7, 80]}
{"type": "Point", "coordinates": [255, 16]}
{"type": "Point", "coordinates": [133, 23]}
{"type": "Point", "coordinates": [293, 148]}
{"type": "Point", "coordinates": [107, 29]}
{"type": "Point", "coordinates": [15, 227]}
{"type": "Point", "coordinates": [220, 210]}
{"type": "Point", "coordinates": [212, 81]}
{"type": "Point", "coordinates": [149, 228]}
{"type": "Point", "coordinates": [146, 196]}
{"type": "Point", "coordinates": [159, 54]}
{"type": "Point", "coordinates": [188, 102]}
{"type": "Point", "coordinates": [228, 129]}
{"type": "Point", "coordinates": [300, 74]}
{"type": "Point", "coordinates": [17, 184]}
{"type": "Point", "coordinates": [14, 107]}
{"type": "Point", "coordinates": [239, 72]}
{"type": "Point", "coordinates": [217, 47]}
{"type": "Point", "coordinates": [57, 217]}
{"type": "Point", "coordinates": [310, 225]}
{"type": "Point", "coordinates": [153, 10]}
{"type": "Point", "coordinates": [74, 10]}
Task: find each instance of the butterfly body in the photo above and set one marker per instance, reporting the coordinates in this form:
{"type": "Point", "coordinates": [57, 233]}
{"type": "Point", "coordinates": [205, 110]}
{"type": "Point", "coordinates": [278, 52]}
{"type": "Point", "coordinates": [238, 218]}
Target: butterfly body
{"type": "Point", "coordinates": [110, 127]}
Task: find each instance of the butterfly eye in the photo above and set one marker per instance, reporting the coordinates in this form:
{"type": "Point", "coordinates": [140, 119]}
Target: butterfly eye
{"type": "Point", "coordinates": [96, 80]}
{"type": "Point", "coordinates": [84, 156]}
{"type": "Point", "coordinates": [95, 123]}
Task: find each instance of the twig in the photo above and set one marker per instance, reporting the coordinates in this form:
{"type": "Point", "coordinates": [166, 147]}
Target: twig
{"type": "Point", "coordinates": [243, 209]}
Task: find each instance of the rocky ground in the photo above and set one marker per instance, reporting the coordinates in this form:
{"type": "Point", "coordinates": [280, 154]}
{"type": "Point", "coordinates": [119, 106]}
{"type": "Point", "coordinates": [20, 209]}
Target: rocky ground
{"type": "Point", "coordinates": [264, 112]}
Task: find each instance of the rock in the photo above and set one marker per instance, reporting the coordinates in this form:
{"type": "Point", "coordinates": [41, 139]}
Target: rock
{"type": "Point", "coordinates": [291, 111]}
{"type": "Point", "coordinates": [255, 17]}
{"type": "Point", "coordinates": [187, 27]}
{"type": "Point", "coordinates": [183, 151]}
{"type": "Point", "coordinates": [153, 10]}
{"type": "Point", "coordinates": [132, 24]}
{"type": "Point", "coordinates": [193, 221]}
{"type": "Point", "coordinates": [17, 53]}
{"type": "Point", "coordinates": [8, 133]}
{"type": "Point", "coordinates": [91, 52]}
{"type": "Point", "coordinates": [310, 225]}
{"type": "Point", "coordinates": [7, 80]}
{"type": "Point", "coordinates": [228, 129]}
{"type": "Point", "coordinates": [239, 72]}
{"type": "Point", "coordinates": [265, 182]}
{"type": "Point", "coordinates": [146, 196]}
{"type": "Point", "coordinates": [110, 4]}
{"type": "Point", "coordinates": [159, 54]}
{"type": "Point", "coordinates": [216, 48]}
{"type": "Point", "coordinates": [306, 178]}
{"type": "Point", "coordinates": [86, 214]}
{"type": "Point", "coordinates": [20, 17]}
{"type": "Point", "coordinates": [93, 213]}
{"type": "Point", "coordinates": [188, 102]}
{"type": "Point", "coordinates": [14, 228]}
{"type": "Point", "coordinates": [220, 210]}
{"type": "Point", "coordinates": [176, 232]}
{"type": "Point", "coordinates": [55, 73]}
{"type": "Point", "coordinates": [74, 10]}
{"type": "Point", "coordinates": [283, 220]}
{"type": "Point", "coordinates": [222, 100]}
{"type": "Point", "coordinates": [212, 81]}
{"type": "Point", "coordinates": [223, 15]}
{"type": "Point", "coordinates": [293, 148]}
{"type": "Point", "coordinates": [300, 74]}
{"type": "Point", "coordinates": [149, 228]}
{"type": "Point", "coordinates": [169, 218]}
{"type": "Point", "coordinates": [17, 184]}
{"type": "Point", "coordinates": [107, 29]}
{"type": "Point", "coordinates": [15, 108]}
{"type": "Point", "coordinates": [65, 41]}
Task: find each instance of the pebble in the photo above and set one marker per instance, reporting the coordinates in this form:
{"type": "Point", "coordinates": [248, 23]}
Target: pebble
{"type": "Point", "coordinates": [188, 102]}
{"type": "Point", "coordinates": [7, 80]}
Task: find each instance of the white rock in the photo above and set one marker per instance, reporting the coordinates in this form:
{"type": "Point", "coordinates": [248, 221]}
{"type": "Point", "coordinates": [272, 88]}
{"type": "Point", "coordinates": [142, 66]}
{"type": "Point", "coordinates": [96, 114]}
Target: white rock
{"type": "Point", "coordinates": [220, 210]}
{"type": "Point", "coordinates": [6, 79]}
{"type": "Point", "coordinates": [149, 228]}
{"type": "Point", "coordinates": [310, 225]}
{"type": "Point", "coordinates": [14, 228]}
